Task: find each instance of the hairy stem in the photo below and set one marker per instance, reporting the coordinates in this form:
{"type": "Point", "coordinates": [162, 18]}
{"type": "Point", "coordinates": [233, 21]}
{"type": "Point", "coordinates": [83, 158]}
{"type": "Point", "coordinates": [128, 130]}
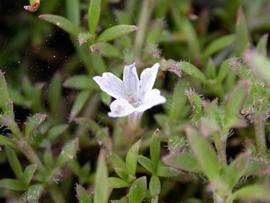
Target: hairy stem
{"type": "Point", "coordinates": [220, 145]}
{"type": "Point", "coordinates": [146, 11]}
{"type": "Point", "coordinates": [260, 138]}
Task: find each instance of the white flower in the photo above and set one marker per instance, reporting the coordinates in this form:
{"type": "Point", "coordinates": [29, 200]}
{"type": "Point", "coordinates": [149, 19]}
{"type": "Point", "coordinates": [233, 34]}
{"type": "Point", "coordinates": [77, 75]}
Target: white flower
{"type": "Point", "coordinates": [132, 96]}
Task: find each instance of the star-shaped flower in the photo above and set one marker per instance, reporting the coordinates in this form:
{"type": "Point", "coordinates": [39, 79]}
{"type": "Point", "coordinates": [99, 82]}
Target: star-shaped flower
{"type": "Point", "coordinates": [133, 95]}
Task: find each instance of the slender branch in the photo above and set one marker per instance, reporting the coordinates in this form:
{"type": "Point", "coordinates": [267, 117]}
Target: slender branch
{"type": "Point", "coordinates": [146, 11]}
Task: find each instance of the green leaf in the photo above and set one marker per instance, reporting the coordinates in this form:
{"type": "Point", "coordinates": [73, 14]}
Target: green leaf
{"type": "Point", "coordinates": [117, 183]}
{"type": "Point", "coordinates": [137, 191]}
{"type": "Point", "coordinates": [154, 186]}
{"type": "Point", "coordinates": [62, 23]}
{"type": "Point", "coordinates": [106, 49]}
{"type": "Point", "coordinates": [14, 162]}
{"type": "Point", "coordinates": [210, 69]}
{"type": "Point", "coordinates": [68, 152]}
{"type": "Point", "coordinates": [132, 157]}
{"type": "Point", "coordinates": [196, 103]}
{"type": "Point", "coordinates": [155, 150]}
{"type": "Point", "coordinates": [259, 64]}
{"type": "Point", "coordinates": [56, 131]}
{"type": "Point", "coordinates": [54, 92]}
{"type": "Point", "coordinates": [218, 44]}
{"type": "Point", "coordinates": [101, 194]}
{"type": "Point", "coordinates": [189, 32]}
{"type": "Point", "coordinates": [79, 103]}
{"type": "Point", "coordinates": [73, 11]}
{"type": "Point", "coordinates": [82, 195]}
{"type": "Point", "coordinates": [33, 193]}
{"type": "Point", "coordinates": [164, 171]}
{"type": "Point", "coordinates": [146, 163]}
{"type": "Point", "coordinates": [242, 34]}
{"type": "Point", "coordinates": [119, 166]}
{"type": "Point", "coordinates": [250, 192]}
{"type": "Point", "coordinates": [5, 102]}
{"type": "Point", "coordinates": [7, 141]}
{"type": "Point", "coordinates": [33, 123]}
{"type": "Point", "coordinates": [94, 14]}
{"type": "Point", "coordinates": [178, 101]}
{"type": "Point", "coordinates": [193, 71]}
{"type": "Point", "coordinates": [261, 47]}
{"type": "Point", "coordinates": [79, 82]}
{"type": "Point", "coordinates": [28, 173]}
{"type": "Point", "coordinates": [115, 32]}
{"type": "Point", "coordinates": [204, 153]}
{"type": "Point", "coordinates": [233, 106]}
{"type": "Point", "coordinates": [85, 37]}
{"type": "Point", "coordinates": [223, 70]}
{"type": "Point", "coordinates": [185, 161]}
{"type": "Point", "coordinates": [12, 184]}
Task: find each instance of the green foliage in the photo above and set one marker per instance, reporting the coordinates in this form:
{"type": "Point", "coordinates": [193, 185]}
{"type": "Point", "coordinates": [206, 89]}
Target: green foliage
{"type": "Point", "coordinates": [208, 142]}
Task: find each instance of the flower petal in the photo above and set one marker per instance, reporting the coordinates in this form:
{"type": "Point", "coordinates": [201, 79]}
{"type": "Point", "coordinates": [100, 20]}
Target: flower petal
{"type": "Point", "coordinates": [151, 98]}
{"type": "Point", "coordinates": [148, 77]}
{"type": "Point", "coordinates": [110, 84]}
{"type": "Point", "coordinates": [131, 82]}
{"type": "Point", "coordinates": [120, 108]}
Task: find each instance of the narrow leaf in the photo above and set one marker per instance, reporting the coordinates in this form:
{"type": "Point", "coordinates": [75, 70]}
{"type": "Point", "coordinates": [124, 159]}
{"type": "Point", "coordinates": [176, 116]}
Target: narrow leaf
{"type": "Point", "coordinates": [79, 103]}
{"type": "Point", "coordinates": [242, 34]}
{"type": "Point", "coordinates": [185, 161]}
{"type": "Point", "coordinates": [204, 153]}
{"type": "Point", "coordinates": [132, 157]}
{"type": "Point", "coordinates": [115, 32]}
{"type": "Point", "coordinates": [154, 186]}
{"type": "Point", "coordinates": [62, 23]}
{"type": "Point", "coordinates": [155, 150]}
{"type": "Point", "coordinates": [165, 171]}
{"type": "Point", "coordinates": [68, 152]}
{"type": "Point", "coordinates": [73, 11]}
{"type": "Point", "coordinates": [137, 191]}
{"type": "Point", "coordinates": [12, 184]}
{"type": "Point", "coordinates": [101, 194]}
{"type": "Point", "coordinates": [94, 14]}
{"type": "Point", "coordinates": [33, 123]}
{"type": "Point", "coordinates": [79, 82]}
{"type": "Point", "coordinates": [262, 45]}
{"type": "Point", "coordinates": [14, 162]}
{"type": "Point", "coordinates": [105, 49]}
{"type": "Point", "coordinates": [193, 71]}
{"type": "Point", "coordinates": [117, 183]}
{"type": "Point", "coordinates": [82, 195]}
{"type": "Point", "coordinates": [218, 45]}
{"type": "Point", "coordinates": [251, 192]}
{"type": "Point", "coordinates": [28, 173]}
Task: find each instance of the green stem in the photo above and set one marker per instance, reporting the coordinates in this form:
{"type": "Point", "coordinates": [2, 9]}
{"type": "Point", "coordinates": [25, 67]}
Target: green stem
{"type": "Point", "coordinates": [146, 11]}
{"type": "Point", "coordinates": [260, 138]}
{"type": "Point", "coordinates": [220, 145]}
{"type": "Point", "coordinates": [31, 155]}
